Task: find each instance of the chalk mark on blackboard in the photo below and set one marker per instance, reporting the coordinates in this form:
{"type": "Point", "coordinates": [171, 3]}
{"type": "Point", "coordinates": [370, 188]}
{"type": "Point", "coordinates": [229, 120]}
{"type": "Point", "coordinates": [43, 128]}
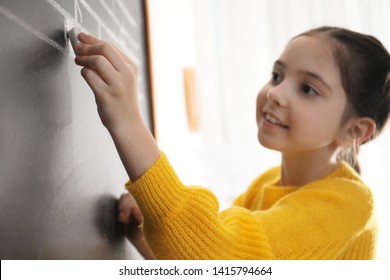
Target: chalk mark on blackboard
{"type": "Point", "coordinates": [69, 20]}
{"type": "Point", "coordinates": [77, 12]}
{"type": "Point", "coordinates": [120, 25]}
{"type": "Point", "coordinates": [126, 13]}
{"type": "Point", "coordinates": [27, 27]}
{"type": "Point", "coordinates": [61, 10]}
{"type": "Point", "coordinates": [109, 31]}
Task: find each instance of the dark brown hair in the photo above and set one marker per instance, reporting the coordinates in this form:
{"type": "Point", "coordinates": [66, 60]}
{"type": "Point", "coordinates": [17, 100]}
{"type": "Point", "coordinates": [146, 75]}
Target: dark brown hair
{"type": "Point", "coordinates": [364, 65]}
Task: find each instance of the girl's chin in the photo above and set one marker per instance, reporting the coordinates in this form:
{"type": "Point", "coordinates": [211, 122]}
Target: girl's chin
{"type": "Point", "coordinates": [269, 144]}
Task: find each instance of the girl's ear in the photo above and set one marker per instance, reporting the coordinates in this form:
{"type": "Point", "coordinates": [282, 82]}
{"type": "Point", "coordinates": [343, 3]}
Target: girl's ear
{"type": "Point", "coordinates": [358, 130]}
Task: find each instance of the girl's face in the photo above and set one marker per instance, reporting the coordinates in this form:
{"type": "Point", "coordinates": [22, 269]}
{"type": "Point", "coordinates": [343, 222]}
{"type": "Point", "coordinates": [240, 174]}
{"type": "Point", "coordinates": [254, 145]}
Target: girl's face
{"type": "Point", "coordinates": [301, 108]}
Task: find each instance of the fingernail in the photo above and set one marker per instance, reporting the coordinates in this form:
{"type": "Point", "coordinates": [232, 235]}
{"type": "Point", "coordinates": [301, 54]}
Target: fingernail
{"type": "Point", "coordinates": [78, 46]}
{"type": "Point", "coordinates": [83, 35]}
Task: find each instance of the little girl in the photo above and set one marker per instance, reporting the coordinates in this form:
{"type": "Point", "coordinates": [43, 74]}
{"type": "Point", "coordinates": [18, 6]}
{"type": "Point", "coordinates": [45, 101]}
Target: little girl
{"type": "Point", "coordinates": [329, 93]}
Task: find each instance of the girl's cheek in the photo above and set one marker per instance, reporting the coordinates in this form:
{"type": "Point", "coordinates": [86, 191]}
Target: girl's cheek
{"type": "Point", "coordinates": [261, 96]}
{"type": "Point", "coordinates": [260, 101]}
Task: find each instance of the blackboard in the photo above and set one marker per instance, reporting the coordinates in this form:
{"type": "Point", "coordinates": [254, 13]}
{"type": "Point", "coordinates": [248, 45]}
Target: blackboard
{"type": "Point", "coordinates": [60, 175]}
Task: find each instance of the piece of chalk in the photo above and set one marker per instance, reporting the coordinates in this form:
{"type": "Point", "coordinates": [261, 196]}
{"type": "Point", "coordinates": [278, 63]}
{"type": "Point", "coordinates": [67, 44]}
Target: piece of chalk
{"type": "Point", "coordinates": [73, 34]}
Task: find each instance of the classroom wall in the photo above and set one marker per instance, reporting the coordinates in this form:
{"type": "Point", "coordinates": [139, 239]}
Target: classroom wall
{"type": "Point", "coordinates": [60, 175]}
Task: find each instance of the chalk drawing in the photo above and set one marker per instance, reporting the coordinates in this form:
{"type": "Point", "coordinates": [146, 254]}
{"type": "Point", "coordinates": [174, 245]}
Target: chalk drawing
{"type": "Point", "coordinates": [27, 27]}
{"type": "Point", "coordinates": [76, 21]}
{"type": "Point", "coordinates": [125, 11]}
{"type": "Point", "coordinates": [119, 24]}
{"type": "Point", "coordinates": [70, 21]}
{"type": "Point", "coordinates": [61, 10]}
{"type": "Point", "coordinates": [77, 13]}
{"type": "Point", "coordinates": [114, 37]}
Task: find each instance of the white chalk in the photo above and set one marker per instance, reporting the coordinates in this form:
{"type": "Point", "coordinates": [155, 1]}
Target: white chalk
{"type": "Point", "coordinates": [73, 33]}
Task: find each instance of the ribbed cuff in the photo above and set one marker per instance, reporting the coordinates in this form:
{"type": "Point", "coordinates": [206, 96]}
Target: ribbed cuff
{"type": "Point", "coordinates": [159, 191]}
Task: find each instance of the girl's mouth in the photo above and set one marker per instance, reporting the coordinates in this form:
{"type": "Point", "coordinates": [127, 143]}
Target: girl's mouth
{"type": "Point", "coordinates": [272, 119]}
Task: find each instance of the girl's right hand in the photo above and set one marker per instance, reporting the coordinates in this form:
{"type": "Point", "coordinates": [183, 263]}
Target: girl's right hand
{"type": "Point", "coordinates": [113, 78]}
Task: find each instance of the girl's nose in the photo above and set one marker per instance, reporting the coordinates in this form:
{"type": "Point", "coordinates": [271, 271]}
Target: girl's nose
{"type": "Point", "coordinates": [278, 95]}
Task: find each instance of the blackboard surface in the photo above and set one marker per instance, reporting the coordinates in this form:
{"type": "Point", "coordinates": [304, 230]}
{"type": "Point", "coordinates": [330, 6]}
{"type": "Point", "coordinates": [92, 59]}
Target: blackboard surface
{"type": "Point", "coordinates": [60, 175]}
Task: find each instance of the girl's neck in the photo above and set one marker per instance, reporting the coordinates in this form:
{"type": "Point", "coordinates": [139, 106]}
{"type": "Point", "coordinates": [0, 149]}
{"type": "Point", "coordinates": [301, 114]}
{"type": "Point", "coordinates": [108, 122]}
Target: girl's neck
{"type": "Point", "coordinates": [303, 168]}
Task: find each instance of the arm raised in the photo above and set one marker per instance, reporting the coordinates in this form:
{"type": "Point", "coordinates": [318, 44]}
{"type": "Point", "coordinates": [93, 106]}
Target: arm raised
{"type": "Point", "coordinates": [113, 78]}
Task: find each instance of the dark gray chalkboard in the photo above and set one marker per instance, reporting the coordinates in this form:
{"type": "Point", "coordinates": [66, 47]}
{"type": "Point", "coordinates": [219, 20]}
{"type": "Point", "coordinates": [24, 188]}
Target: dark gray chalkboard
{"type": "Point", "coordinates": [60, 175]}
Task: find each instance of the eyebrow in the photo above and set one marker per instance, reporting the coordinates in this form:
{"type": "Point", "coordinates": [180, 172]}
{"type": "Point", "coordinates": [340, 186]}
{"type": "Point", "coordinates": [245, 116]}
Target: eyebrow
{"type": "Point", "coordinates": [307, 73]}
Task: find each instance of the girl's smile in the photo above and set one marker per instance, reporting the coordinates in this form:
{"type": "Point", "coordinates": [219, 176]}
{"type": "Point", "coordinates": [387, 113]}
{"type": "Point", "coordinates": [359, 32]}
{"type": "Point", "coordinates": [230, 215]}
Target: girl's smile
{"type": "Point", "coordinates": [271, 121]}
{"type": "Point", "coordinates": [301, 108]}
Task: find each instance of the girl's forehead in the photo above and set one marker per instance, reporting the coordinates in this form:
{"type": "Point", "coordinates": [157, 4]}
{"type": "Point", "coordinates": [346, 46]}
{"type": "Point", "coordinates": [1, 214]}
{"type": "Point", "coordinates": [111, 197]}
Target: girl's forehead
{"type": "Point", "coordinates": [314, 55]}
{"type": "Point", "coordinates": [311, 53]}
{"type": "Point", "coordinates": [314, 49]}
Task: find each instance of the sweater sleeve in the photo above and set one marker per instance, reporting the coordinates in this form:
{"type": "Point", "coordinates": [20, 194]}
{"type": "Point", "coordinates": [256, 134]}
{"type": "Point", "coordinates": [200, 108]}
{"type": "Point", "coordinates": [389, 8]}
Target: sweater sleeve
{"type": "Point", "coordinates": [183, 222]}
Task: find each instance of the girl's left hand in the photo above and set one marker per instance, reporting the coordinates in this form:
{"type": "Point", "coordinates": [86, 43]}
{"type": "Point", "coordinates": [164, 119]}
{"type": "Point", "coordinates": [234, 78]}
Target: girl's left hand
{"type": "Point", "coordinates": [130, 215]}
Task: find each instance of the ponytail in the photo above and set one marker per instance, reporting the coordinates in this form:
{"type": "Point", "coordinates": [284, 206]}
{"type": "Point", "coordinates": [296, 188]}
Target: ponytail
{"type": "Point", "coordinates": [350, 155]}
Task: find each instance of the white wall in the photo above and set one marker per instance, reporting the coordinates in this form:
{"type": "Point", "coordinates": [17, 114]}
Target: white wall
{"type": "Point", "coordinates": [173, 48]}
{"type": "Point", "coordinates": [232, 45]}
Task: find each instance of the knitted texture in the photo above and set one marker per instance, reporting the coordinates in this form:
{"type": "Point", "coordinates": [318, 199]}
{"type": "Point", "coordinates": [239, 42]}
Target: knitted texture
{"type": "Point", "coordinates": [331, 218]}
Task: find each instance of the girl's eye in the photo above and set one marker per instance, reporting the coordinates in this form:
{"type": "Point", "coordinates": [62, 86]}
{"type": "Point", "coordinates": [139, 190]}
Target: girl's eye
{"type": "Point", "coordinates": [275, 77]}
{"type": "Point", "coordinates": [308, 90]}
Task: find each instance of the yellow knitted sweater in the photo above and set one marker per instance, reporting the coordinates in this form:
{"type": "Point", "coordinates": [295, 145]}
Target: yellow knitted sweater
{"type": "Point", "coordinates": [331, 218]}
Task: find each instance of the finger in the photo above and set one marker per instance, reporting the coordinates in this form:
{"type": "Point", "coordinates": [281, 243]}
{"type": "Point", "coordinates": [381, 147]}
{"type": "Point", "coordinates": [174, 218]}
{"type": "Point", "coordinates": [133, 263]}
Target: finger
{"type": "Point", "coordinates": [95, 82]}
{"type": "Point", "coordinates": [124, 216]}
{"type": "Point", "coordinates": [125, 57]}
{"type": "Point", "coordinates": [100, 64]}
{"type": "Point", "coordinates": [88, 39]}
{"type": "Point", "coordinates": [106, 50]}
{"type": "Point", "coordinates": [123, 195]}
{"type": "Point", "coordinates": [125, 206]}
{"type": "Point", "coordinates": [137, 214]}
{"type": "Point", "coordinates": [121, 216]}
{"type": "Point", "coordinates": [91, 40]}
{"type": "Point", "coordinates": [127, 217]}
{"type": "Point", "coordinates": [125, 200]}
